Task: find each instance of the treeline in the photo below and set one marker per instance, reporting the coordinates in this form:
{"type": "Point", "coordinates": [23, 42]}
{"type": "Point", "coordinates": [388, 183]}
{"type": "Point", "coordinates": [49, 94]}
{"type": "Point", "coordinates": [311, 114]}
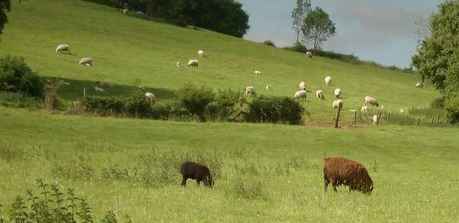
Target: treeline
{"type": "Point", "coordinates": [224, 16]}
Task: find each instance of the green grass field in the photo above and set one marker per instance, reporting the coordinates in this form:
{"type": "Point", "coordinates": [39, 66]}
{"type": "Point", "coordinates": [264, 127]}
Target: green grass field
{"type": "Point", "coordinates": [264, 173]}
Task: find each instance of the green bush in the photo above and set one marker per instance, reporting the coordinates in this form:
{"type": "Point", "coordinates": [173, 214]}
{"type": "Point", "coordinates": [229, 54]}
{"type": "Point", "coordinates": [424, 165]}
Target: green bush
{"type": "Point", "coordinates": [16, 76]}
{"type": "Point", "coordinates": [438, 103]}
{"type": "Point", "coordinates": [17, 100]}
{"type": "Point", "coordinates": [49, 203]}
{"type": "Point", "coordinates": [104, 105]}
{"type": "Point", "coordinates": [161, 111]}
{"type": "Point", "coordinates": [223, 107]}
{"type": "Point", "coordinates": [196, 99]}
{"type": "Point", "coordinates": [274, 110]}
{"type": "Point", "coordinates": [452, 108]}
{"type": "Point", "coordinates": [138, 106]}
{"type": "Point", "coordinates": [269, 43]}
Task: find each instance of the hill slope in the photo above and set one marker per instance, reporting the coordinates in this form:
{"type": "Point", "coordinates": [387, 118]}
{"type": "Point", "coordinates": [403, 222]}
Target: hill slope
{"type": "Point", "coordinates": [130, 51]}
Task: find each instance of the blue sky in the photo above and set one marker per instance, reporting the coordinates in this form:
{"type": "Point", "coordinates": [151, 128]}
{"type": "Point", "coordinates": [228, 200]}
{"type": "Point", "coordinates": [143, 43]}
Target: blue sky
{"type": "Point", "coordinates": [379, 30]}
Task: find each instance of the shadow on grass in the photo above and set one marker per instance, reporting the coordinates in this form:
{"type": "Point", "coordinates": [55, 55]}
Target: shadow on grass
{"type": "Point", "coordinates": [74, 89]}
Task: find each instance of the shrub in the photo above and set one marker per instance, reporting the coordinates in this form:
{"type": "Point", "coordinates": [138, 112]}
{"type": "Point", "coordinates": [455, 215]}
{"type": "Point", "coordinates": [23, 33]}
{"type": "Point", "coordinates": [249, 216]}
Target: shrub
{"type": "Point", "coordinates": [137, 106]}
{"type": "Point", "coordinates": [438, 103]}
{"type": "Point", "coordinates": [223, 107]}
{"type": "Point", "coordinates": [104, 105]}
{"type": "Point", "coordinates": [16, 76]}
{"type": "Point", "coordinates": [452, 108]}
{"type": "Point", "coordinates": [269, 43]}
{"type": "Point", "coordinates": [274, 110]}
{"type": "Point", "coordinates": [161, 111]}
{"type": "Point", "coordinates": [195, 99]}
{"type": "Point", "coordinates": [49, 203]}
{"type": "Point", "coordinates": [10, 99]}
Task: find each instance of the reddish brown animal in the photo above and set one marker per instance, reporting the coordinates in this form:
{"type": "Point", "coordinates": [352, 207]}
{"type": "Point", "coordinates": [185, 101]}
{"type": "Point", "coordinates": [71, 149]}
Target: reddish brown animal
{"type": "Point", "coordinates": [196, 171]}
{"type": "Point", "coordinates": [340, 171]}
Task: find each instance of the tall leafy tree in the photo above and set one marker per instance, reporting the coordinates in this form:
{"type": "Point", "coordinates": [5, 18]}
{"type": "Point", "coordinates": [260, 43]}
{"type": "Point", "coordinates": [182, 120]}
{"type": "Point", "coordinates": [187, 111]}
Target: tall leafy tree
{"type": "Point", "coordinates": [437, 57]}
{"type": "Point", "coordinates": [4, 7]}
{"type": "Point", "coordinates": [302, 8]}
{"type": "Point", "coordinates": [318, 27]}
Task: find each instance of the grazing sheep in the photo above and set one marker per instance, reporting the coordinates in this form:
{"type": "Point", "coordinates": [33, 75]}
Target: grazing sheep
{"type": "Point", "coordinates": [320, 94]}
{"type": "Point", "coordinates": [98, 89]}
{"type": "Point", "coordinates": [370, 101]}
{"type": "Point", "coordinates": [375, 119]}
{"type": "Point", "coordinates": [337, 104]}
{"type": "Point", "coordinates": [61, 48]}
{"type": "Point", "coordinates": [328, 80]}
{"type": "Point", "coordinates": [340, 171]}
{"type": "Point", "coordinates": [86, 61]}
{"type": "Point", "coordinates": [402, 110]}
{"type": "Point", "coordinates": [338, 92]}
{"type": "Point", "coordinates": [150, 97]}
{"type": "Point", "coordinates": [249, 91]}
{"type": "Point", "coordinates": [364, 109]}
{"type": "Point", "coordinates": [257, 72]}
{"type": "Point", "coordinates": [124, 11]}
{"type": "Point", "coordinates": [302, 85]}
{"type": "Point", "coordinates": [309, 54]}
{"type": "Point", "coordinates": [300, 94]}
{"type": "Point", "coordinates": [193, 63]}
{"type": "Point", "coordinates": [419, 85]}
{"type": "Point", "coordinates": [268, 87]}
{"type": "Point", "coordinates": [201, 53]}
{"type": "Point", "coordinates": [196, 171]}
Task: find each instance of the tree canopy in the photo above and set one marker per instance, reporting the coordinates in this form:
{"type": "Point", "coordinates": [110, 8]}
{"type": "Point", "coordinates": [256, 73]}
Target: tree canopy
{"type": "Point", "coordinates": [4, 7]}
{"type": "Point", "coordinates": [437, 57]}
{"type": "Point", "coordinates": [318, 27]}
{"type": "Point", "coordinates": [224, 16]}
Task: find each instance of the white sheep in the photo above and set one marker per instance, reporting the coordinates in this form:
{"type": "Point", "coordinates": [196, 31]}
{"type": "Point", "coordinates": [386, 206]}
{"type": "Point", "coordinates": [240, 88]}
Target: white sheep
{"type": "Point", "coordinates": [309, 54]}
{"type": "Point", "coordinates": [402, 110]}
{"type": "Point", "coordinates": [419, 85]}
{"type": "Point", "coordinates": [249, 90]}
{"type": "Point", "coordinates": [300, 94]}
{"type": "Point", "coordinates": [124, 11]}
{"type": "Point", "coordinates": [178, 64]}
{"type": "Point", "coordinates": [364, 109]}
{"type": "Point", "coordinates": [328, 80]}
{"type": "Point", "coordinates": [201, 53]}
{"type": "Point", "coordinates": [338, 92]}
{"type": "Point", "coordinates": [302, 85]}
{"type": "Point", "coordinates": [370, 101]}
{"type": "Point", "coordinates": [150, 97]}
{"type": "Point", "coordinates": [375, 119]}
{"type": "Point", "coordinates": [257, 72]}
{"type": "Point", "coordinates": [63, 48]}
{"type": "Point", "coordinates": [193, 63]}
{"type": "Point", "coordinates": [320, 94]}
{"type": "Point", "coordinates": [98, 89]}
{"type": "Point", "coordinates": [268, 87]}
{"type": "Point", "coordinates": [86, 61]}
{"type": "Point", "coordinates": [338, 104]}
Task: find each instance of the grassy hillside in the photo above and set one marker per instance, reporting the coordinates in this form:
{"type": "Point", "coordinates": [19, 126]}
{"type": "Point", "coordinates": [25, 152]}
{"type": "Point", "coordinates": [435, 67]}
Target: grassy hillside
{"type": "Point", "coordinates": [129, 51]}
{"type": "Point", "coordinates": [265, 173]}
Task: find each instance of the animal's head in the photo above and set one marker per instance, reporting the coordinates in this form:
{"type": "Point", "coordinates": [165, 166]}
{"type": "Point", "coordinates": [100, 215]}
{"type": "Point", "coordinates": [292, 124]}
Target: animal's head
{"type": "Point", "coordinates": [367, 187]}
{"type": "Point", "coordinates": [208, 181]}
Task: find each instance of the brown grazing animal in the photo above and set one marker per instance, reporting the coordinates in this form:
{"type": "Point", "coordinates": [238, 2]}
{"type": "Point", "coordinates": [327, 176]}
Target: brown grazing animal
{"type": "Point", "coordinates": [196, 171]}
{"type": "Point", "coordinates": [340, 171]}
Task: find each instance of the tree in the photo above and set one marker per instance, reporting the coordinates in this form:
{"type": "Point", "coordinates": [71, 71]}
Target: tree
{"type": "Point", "coordinates": [437, 57]}
{"type": "Point", "coordinates": [318, 27]}
{"type": "Point", "coordinates": [4, 6]}
{"type": "Point", "coordinates": [302, 8]}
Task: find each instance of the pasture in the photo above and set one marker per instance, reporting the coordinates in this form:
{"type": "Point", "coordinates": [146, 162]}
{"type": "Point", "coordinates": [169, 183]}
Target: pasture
{"type": "Point", "coordinates": [262, 172]}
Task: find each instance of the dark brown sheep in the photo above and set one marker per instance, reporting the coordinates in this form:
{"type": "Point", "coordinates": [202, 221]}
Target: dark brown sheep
{"type": "Point", "coordinates": [196, 171]}
{"type": "Point", "coordinates": [340, 171]}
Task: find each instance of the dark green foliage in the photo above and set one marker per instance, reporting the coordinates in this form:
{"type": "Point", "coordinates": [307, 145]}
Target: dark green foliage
{"type": "Point", "coordinates": [274, 110]}
{"type": "Point", "coordinates": [434, 57]}
{"type": "Point", "coordinates": [224, 106]}
{"type": "Point", "coordinates": [195, 99]}
{"type": "Point", "coordinates": [438, 103]}
{"type": "Point", "coordinates": [16, 76]}
{"type": "Point", "coordinates": [104, 105]}
{"type": "Point", "coordinates": [50, 204]}
{"type": "Point", "coordinates": [224, 16]}
{"type": "Point", "coordinates": [16, 100]}
{"type": "Point", "coordinates": [4, 7]}
{"type": "Point", "coordinates": [452, 107]}
{"type": "Point", "coordinates": [318, 27]}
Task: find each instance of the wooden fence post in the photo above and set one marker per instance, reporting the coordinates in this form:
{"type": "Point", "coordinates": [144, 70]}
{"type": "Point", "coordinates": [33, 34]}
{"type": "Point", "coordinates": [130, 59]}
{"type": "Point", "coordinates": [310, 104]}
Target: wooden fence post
{"type": "Point", "coordinates": [338, 113]}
